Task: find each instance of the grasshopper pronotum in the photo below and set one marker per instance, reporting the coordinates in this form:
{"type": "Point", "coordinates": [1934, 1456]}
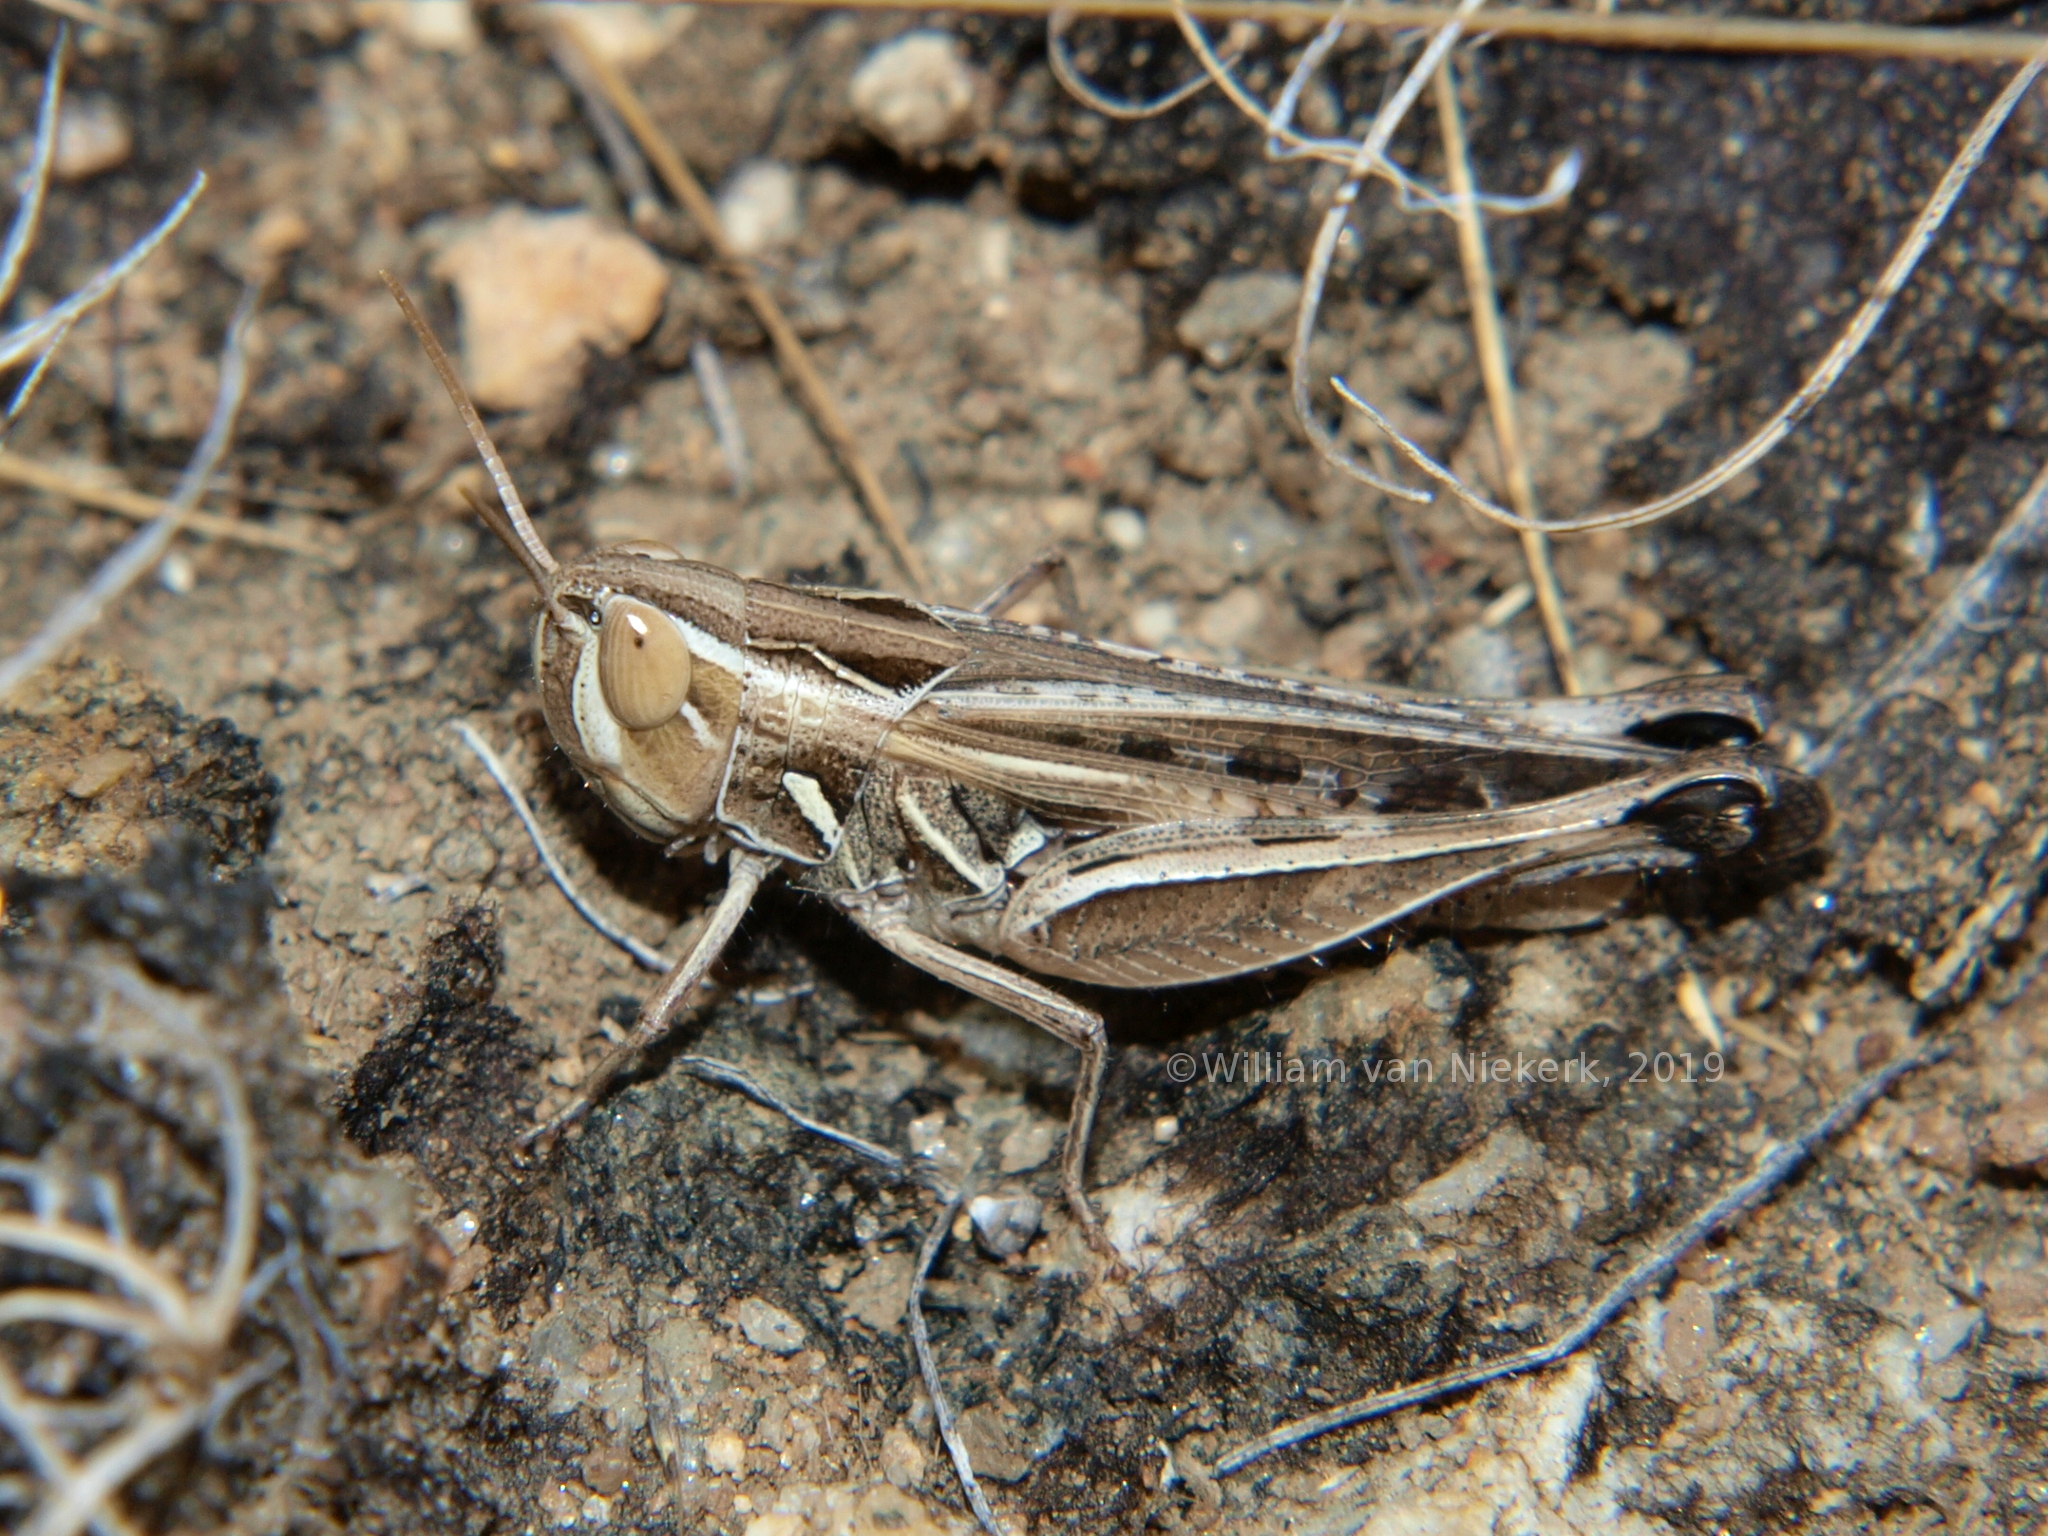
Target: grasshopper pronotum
{"type": "Point", "coordinates": [962, 787]}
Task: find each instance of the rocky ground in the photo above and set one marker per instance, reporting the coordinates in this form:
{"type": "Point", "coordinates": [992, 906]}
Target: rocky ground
{"type": "Point", "coordinates": [1046, 329]}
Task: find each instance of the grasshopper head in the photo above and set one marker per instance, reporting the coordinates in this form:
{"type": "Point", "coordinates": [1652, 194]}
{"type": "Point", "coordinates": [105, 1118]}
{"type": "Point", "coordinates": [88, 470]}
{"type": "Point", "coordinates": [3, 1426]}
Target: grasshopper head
{"type": "Point", "coordinates": [636, 649]}
{"type": "Point", "coordinates": [637, 652]}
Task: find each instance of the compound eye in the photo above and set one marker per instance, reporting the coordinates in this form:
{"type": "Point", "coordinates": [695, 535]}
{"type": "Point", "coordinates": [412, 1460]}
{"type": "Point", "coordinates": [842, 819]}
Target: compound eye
{"type": "Point", "coordinates": [643, 666]}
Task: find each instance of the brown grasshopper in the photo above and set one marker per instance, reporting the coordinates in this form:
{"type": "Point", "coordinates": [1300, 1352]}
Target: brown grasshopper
{"type": "Point", "coordinates": [964, 788]}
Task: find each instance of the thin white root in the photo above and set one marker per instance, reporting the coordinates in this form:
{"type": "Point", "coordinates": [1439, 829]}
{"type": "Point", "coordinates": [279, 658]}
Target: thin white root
{"type": "Point", "coordinates": [928, 1366]}
{"type": "Point", "coordinates": [32, 338]}
{"type": "Point", "coordinates": [1068, 73]}
{"type": "Point", "coordinates": [644, 954]}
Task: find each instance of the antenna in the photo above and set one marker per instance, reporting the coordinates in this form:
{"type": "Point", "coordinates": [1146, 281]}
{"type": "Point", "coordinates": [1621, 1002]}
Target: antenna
{"type": "Point", "coordinates": [512, 526]}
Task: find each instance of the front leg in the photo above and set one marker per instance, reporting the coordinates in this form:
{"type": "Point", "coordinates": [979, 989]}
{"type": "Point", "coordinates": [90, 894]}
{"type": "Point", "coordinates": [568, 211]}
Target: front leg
{"type": "Point", "coordinates": [1079, 1027]}
{"type": "Point", "coordinates": [745, 872]}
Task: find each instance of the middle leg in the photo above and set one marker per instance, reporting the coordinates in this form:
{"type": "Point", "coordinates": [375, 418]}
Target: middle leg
{"type": "Point", "coordinates": [1079, 1027]}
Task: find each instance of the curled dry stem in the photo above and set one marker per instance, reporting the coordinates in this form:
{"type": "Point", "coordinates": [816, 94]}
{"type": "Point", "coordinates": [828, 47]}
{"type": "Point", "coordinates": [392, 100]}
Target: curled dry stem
{"type": "Point", "coordinates": [182, 1335]}
{"type": "Point", "coordinates": [1367, 157]}
{"type": "Point", "coordinates": [1809, 394]}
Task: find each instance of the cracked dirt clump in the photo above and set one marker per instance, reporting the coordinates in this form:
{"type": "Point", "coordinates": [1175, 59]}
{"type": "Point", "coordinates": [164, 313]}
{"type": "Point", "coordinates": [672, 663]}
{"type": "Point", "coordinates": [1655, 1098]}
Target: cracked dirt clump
{"type": "Point", "coordinates": [97, 766]}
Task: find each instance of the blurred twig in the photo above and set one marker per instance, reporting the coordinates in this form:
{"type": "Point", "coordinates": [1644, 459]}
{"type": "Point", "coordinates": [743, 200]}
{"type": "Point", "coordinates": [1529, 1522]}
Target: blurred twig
{"type": "Point", "coordinates": [928, 1367]}
{"type": "Point", "coordinates": [88, 492]}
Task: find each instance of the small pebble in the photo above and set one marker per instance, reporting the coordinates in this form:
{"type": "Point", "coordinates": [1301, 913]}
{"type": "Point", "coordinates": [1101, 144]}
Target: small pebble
{"type": "Point", "coordinates": [914, 92]}
{"type": "Point", "coordinates": [175, 574]}
{"type": "Point", "coordinates": [1067, 517]}
{"type": "Point", "coordinates": [761, 206]}
{"type": "Point", "coordinates": [725, 1452]}
{"type": "Point", "coordinates": [432, 26]}
{"type": "Point", "coordinates": [385, 889]}
{"type": "Point", "coordinates": [1233, 620]}
{"type": "Point", "coordinates": [615, 463]}
{"type": "Point", "coordinates": [1025, 1146]}
{"type": "Point", "coordinates": [278, 233]}
{"type": "Point", "coordinates": [97, 774]}
{"type": "Point", "coordinates": [1690, 1337]}
{"type": "Point", "coordinates": [928, 1134]}
{"type": "Point", "coordinates": [448, 544]}
{"type": "Point", "coordinates": [1645, 624]}
{"type": "Point", "coordinates": [625, 34]}
{"type": "Point", "coordinates": [93, 136]}
{"type": "Point", "coordinates": [1235, 311]}
{"type": "Point", "coordinates": [1155, 623]}
{"type": "Point", "coordinates": [2017, 1136]}
{"type": "Point", "coordinates": [768, 1327]}
{"type": "Point", "coordinates": [1165, 1128]}
{"type": "Point", "coordinates": [537, 292]}
{"type": "Point", "coordinates": [1005, 1224]}
{"type": "Point", "coordinates": [1482, 663]}
{"type": "Point", "coordinates": [1124, 528]}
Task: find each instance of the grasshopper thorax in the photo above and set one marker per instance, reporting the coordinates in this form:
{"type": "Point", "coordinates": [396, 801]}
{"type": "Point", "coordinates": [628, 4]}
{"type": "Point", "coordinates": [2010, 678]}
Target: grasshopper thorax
{"type": "Point", "coordinates": [638, 656]}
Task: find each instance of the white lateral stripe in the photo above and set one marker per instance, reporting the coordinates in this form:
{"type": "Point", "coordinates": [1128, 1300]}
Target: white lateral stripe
{"type": "Point", "coordinates": [810, 799]}
{"type": "Point", "coordinates": [949, 754]}
{"type": "Point", "coordinates": [977, 874]}
{"type": "Point", "coordinates": [698, 727]}
{"type": "Point", "coordinates": [714, 650]}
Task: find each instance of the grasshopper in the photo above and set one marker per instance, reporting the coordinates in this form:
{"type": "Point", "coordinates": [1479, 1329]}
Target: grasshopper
{"type": "Point", "coordinates": [970, 791]}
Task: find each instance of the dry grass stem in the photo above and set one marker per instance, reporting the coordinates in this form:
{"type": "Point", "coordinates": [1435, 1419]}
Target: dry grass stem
{"type": "Point", "coordinates": [37, 336]}
{"type": "Point", "coordinates": [1490, 344]}
{"type": "Point", "coordinates": [1068, 73]}
{"type": "Point", "coordinates": [87, 491]}
{"type": "Point", "coordinates": [28, 215]}
{"type": "Point", "coordinates": [1367, 157]}
{"type": "Point", "coordinates": [810, 385]}
{"type": "Point", "coordinates": [1636, 30]}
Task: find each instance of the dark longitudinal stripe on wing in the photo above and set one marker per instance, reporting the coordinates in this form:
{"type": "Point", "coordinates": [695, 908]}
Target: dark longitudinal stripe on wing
{"type": "Point", "coordinates": [1108, 756]}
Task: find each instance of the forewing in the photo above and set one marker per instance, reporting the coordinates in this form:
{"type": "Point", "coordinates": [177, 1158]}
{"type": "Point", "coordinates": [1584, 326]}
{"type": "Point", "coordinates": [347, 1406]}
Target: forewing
{"type": "Point", "coordinates": [1093, 736]}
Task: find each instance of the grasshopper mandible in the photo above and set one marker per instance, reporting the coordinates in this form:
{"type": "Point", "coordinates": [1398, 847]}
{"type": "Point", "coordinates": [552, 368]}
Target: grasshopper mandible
{"type": "Point", "coordinates": [969, 791]}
